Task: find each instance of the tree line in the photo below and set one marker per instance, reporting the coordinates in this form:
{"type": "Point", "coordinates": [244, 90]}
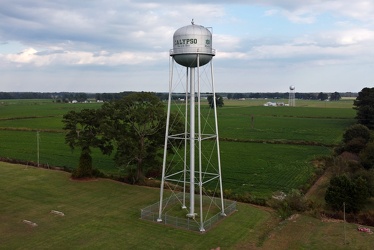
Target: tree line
{"type": "Point", "coordinates": [65, 97]}
{"type": "Point", "coordinates": [352, 184]}
{"type": "Point", "coordinates": [335, 96]}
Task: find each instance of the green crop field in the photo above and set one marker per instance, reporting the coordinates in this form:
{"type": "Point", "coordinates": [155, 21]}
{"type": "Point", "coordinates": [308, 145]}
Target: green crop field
{"type": "Point", "coordinates": [263, 149]}
{"type": "Point", "coordinates": [285, 123]}
{"type": "Point", "coordinates": [260, 169]}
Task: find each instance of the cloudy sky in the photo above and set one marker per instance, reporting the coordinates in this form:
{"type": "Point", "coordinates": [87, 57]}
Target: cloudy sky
{"type": "Point", "coordinates": [123, 45]}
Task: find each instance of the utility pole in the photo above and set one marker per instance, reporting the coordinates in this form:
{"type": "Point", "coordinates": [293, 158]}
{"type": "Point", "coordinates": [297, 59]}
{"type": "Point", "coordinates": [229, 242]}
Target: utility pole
{"type": "Point", "coordinates": [37, 145]}
{"type": "Point", "coordinates": [345, 237]}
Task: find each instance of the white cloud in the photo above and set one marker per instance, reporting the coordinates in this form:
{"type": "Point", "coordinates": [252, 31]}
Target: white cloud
{"type": "Point", "coordinates": [362, 10]}
{"type": "Point", "coordinates": [227, 42]}
{"type": "Point", "coordinates": [45, 58]}
{"type": "Point", "coordinates": [127, 38]}
{"type": "Point", "coordinates": [307, 11]}
{"type": "Point", "coordinates": [355, 36]}
{"type": "Point", "coordinates": [295, 16]}
{"type": "Point", "coordinates": [26, 56]}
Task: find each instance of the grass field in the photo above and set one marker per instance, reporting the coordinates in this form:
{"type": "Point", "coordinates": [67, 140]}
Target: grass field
{"type": "Point", "coordinates": [52, 150]}
{"type": "Point", "coordinates": [304, 232]}
{"type": "Point", "coordinates": [103, 214]}
{"type": "Point", "coordinates": [256, 168]}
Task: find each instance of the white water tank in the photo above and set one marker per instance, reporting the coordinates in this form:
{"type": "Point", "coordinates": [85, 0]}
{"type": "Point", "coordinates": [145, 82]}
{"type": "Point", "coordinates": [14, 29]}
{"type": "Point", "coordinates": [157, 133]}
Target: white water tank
{"type": "Point", "coordinates": [191, 41]}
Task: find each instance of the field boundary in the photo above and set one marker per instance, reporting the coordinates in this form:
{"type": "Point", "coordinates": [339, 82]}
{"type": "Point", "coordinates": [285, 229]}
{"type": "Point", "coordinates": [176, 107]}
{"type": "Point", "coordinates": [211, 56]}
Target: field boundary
{"type": "Point", "coordinates": [33, 130]}
{"type": "Point", "coordinates": [289, 142]}
{"type": "Point", "coordinates": [27, 117]}
{"type": "Point", "coordinates": [32, 164]}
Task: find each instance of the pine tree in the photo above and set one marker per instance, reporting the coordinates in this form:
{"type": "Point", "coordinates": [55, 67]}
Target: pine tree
{"type": "Point", "coordinates": [364, 104]}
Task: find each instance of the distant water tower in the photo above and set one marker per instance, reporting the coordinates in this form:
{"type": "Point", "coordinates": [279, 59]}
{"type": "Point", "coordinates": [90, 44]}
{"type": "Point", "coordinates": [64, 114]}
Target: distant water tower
{"type": "Point", "coordinates": [291, 98]}
{"type": "Point", "coordinates": [190, 171]}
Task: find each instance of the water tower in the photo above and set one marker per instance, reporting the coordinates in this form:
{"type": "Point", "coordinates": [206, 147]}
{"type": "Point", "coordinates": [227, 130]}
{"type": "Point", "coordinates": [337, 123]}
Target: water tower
{"type": "Point", "coordinates": [291, 98]}
{"type": "Point", "coordinates": [192, 172]}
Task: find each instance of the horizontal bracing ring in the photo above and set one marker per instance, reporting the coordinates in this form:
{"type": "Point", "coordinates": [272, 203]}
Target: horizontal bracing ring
{"type": "Point", "coordinates": [184, 137]}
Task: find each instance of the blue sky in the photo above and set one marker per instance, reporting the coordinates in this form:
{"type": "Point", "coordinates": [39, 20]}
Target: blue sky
{"type": "Point", "coordinates": [123, 45]}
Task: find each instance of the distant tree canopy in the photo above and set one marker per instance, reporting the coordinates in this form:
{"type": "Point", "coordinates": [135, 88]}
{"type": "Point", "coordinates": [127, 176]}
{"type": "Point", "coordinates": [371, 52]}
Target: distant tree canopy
{"type": "Point", "coordinates": [322, 96]}
{"type": "Point", "coordinates": [237, 96]}
{"type": "Point", "coordinates": [364, 105]}
{"type": "Point", "coordinates": [70, 96]}
{"type": "Point", "coordinates": [219, 101]}
{"type": "Point", "coordinates": [26, 95]}
{"type": "Point", "coordinates": [335, 96]}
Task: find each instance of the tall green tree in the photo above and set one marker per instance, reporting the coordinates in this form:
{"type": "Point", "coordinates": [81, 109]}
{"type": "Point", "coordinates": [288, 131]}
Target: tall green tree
{"type": "Point", "coordinates": [354, 193]}
{"type": "Point", "coordinates": [83, 131]}
{"type": "Point", "coordinates": [322, 96]}
{"type": "Point", "coordinates": [367, 156]}
{"type": "Point", "coordinates": [80, 97]}
{"type": "Point", "coordinates": [136, 124]}
{"type": "Point", "coordinates": [368, 175]}
{"type": "Point", "coordinates": [364, 105]}
{"type": "Point", "coordinates": [335, 96]}
{"type": "Point", "coordinates": [356, 131]}
{"type": "Point", "coordinates": [354, 139]}
{"type": "Point", "coordinates": [219, 101]}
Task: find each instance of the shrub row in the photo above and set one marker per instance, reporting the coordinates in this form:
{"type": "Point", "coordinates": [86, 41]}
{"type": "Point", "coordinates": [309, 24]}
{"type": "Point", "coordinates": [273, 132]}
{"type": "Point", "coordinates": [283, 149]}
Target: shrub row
{"type": "Point", "coordinates": [362, 218]}
{"type": "Point", "coordinates": [34, 164]}
{"type": "Point", "coordinates": [305, 143]}
{"type": "Point", "coordinates": [95, 172]}
{"type": "Point", "coordinates": [33, 130]}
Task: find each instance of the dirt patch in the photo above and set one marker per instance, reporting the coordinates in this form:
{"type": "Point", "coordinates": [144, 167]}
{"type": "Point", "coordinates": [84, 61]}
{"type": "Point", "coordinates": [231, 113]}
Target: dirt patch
{"type": "Point", "coordinates": [326, 219]}
{"type": "Point", "coordinates": [293, 217]}
{"type": "Point", "coordinates": [84, 179]}
{"type": "Point", "coordinates": [347, 156]}
{"type": "Point", "coordinates": [319, 183]}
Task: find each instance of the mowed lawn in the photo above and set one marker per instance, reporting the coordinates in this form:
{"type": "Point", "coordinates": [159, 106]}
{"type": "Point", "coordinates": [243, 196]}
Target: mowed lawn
{"type": "Point", "coordinates": [103, 214]}
{"type": "Point", "coordinates": [304, 232]}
